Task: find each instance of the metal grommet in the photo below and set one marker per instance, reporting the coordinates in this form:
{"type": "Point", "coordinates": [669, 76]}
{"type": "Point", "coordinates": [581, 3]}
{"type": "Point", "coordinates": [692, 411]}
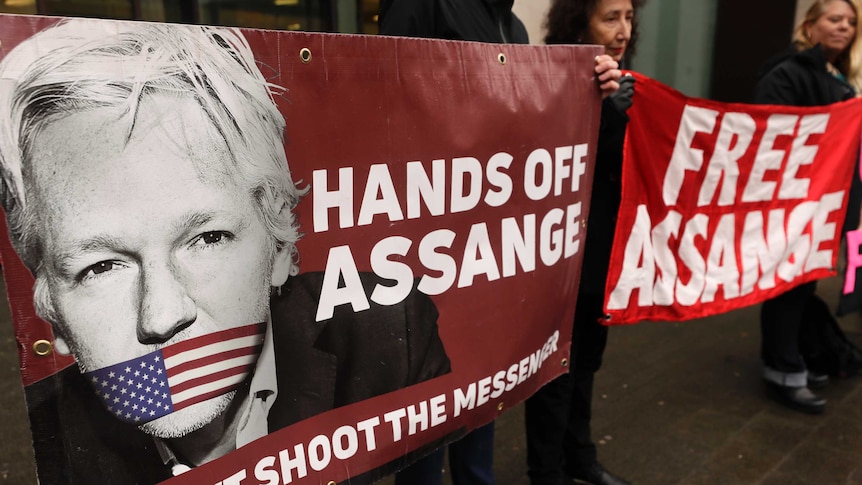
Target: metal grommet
{"type": "Point", "coordinates": [564, 362]}
{"type": "Point", "coordinates": [607, 318]}
{"type": "Point", "coordinates": [499, 407]}
{"type": "Point", "coordinates": [42, 347]}
{"type": "Point", "coordinates": [331, 482]}
{"type": "Point", "coordinates": [305, 57]}
{"type": "Point", "coordinates": [501, 58]}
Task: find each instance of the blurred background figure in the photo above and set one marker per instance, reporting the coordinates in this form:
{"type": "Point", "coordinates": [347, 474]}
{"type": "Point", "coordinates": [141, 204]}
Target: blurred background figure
{"type": "Point", "coordinates": [821, 67]}
{"type": "Point", "coordinates": [474, 20]}
{"type": "Point", "coordinates": [471, 459]}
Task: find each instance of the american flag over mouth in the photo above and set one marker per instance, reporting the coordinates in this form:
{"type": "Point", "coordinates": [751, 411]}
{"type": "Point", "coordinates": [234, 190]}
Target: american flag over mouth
{"type": "Point", "coordinates": [179, 375]}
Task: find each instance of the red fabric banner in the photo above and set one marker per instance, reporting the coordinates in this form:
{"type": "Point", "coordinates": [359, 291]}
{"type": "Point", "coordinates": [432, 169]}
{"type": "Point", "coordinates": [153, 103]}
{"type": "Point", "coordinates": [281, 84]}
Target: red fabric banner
{"type": "Point", "coordinates": [726, 205]}
{"type": "Point", "coordinates": [416, 265]}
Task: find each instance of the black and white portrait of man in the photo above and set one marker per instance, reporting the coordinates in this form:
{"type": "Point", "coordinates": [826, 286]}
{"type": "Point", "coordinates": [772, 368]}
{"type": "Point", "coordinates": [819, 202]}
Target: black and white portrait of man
{"type": "Point", "coordinates": [147, 189]}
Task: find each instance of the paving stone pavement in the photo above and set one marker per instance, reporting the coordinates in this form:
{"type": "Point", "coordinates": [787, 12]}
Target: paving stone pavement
{"type": "Point", "coordinates": [675, 403]}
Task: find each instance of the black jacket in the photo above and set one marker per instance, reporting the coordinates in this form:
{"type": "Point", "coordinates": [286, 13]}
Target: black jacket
{"type": "Point", "coordinates": [473, 20]}
{"type": "Point", "coordinates": [320, 366]}
{"type": "Point", "coordinates": [604, 199]}
{"type": "Point", "coordinates": [800, 79]}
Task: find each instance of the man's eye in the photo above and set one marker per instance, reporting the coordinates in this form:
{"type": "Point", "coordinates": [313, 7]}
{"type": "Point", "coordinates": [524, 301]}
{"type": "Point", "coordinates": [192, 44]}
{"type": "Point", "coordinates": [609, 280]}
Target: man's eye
{"type": "Point", "coordinates": [212, 238]}
{"type": "Point", "coordinates": [99, 268]}
{"type": "Point", "coordinates": [102, 267]}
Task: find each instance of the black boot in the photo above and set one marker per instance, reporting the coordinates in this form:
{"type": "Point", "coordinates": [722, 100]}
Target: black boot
{"type": "Point", "coordinates": [796, 398]}
{"type": "Point", "coordinates": [596, 474]}
{"type": "Point", "coordinates": [582, 467]}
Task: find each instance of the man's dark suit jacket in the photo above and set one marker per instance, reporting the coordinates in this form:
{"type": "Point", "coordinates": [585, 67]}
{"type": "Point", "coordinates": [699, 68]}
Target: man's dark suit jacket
{"type": "Point", "coordinates": [320, 366]}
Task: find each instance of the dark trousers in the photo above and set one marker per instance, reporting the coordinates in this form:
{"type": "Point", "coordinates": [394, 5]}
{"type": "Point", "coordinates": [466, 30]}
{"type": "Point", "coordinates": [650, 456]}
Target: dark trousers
{"type": "Point", "coordinates": [558, 415]}
{"type": "Point", "coordinates": [781, 320]}
{"type": "Point", "coordinates": [471, 462]}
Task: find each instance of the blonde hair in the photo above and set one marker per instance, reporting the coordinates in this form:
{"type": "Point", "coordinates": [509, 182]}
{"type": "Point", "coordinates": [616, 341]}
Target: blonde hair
{"type": "Point", "coordinates": [849, 62]}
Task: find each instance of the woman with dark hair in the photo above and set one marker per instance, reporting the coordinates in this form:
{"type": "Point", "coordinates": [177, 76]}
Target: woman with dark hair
{"type": "Point", "coordinates": [559, 447]}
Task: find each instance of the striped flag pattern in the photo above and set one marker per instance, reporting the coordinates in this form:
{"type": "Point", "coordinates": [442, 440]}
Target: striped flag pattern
{"type": "Point", "coordinates": [179, 375]}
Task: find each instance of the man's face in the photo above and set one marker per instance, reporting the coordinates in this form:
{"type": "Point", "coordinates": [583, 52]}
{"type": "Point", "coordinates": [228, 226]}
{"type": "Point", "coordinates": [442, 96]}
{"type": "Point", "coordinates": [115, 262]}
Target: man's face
{"type": "Point", "coordinates": [147, 241]}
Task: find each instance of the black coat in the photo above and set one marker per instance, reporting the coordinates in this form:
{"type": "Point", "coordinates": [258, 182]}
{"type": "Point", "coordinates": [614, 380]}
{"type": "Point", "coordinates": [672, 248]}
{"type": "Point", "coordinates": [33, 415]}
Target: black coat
{"type": "Point", "coordinates": [800, 79]}
{"type": "Point", "coordinates": [605, 199]}
{"type": "Point", "coordinates": [319, 366]}
{"type": "Point", "coordinates": [473, 20]}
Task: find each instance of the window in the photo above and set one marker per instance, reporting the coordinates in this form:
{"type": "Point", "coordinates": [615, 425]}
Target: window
{"type": "Point", "coordinates": [353, 16]}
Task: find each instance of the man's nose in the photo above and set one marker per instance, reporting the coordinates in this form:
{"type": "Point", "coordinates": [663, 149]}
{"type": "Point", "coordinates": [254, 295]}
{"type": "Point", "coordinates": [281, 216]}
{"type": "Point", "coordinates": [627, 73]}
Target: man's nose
{"type": "Point", "coordinates": [165, 307]}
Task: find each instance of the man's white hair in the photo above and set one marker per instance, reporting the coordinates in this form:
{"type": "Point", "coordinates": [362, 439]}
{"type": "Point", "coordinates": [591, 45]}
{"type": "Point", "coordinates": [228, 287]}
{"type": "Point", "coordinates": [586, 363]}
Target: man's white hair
{"type": "Point", "coordinates": [77, 65]}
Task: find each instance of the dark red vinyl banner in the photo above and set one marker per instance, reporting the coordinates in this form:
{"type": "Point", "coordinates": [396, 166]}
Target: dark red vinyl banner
{"type": "Point", "coordinates": [256, 257]}
{"type": "Point", "coordinates": [726, 205]}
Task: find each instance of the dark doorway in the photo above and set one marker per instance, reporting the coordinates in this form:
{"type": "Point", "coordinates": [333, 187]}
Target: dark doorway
{"type": "Point", "coordinates": [747, 33]}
